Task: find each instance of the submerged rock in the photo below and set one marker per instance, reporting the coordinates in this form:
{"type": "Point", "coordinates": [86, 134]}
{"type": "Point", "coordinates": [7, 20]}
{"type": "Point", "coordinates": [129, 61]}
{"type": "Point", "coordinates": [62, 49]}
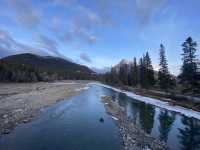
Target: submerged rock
{"type": "Point", "coordinates": [101, 120]}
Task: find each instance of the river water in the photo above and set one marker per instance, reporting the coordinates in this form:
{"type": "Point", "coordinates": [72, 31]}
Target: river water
{"type": "Point", "coordinates": [74, 124]}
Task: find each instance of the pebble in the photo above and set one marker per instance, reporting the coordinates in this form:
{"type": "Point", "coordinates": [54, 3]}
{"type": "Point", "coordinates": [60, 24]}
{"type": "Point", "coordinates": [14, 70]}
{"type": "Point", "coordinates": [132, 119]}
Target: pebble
{"type": "Point", "coordinates": [6, 131]}
{"type": "Point", "coordinates": [133, 137]}
{"type": "Point", "coordinates": [25, 120]}
{"type": "Point", "coordinates": [5, 116]}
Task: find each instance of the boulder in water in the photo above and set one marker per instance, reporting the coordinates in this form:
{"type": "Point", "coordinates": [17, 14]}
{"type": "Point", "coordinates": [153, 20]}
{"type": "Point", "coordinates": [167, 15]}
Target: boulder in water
{"type": "Point", "coordinates": [101, 119]}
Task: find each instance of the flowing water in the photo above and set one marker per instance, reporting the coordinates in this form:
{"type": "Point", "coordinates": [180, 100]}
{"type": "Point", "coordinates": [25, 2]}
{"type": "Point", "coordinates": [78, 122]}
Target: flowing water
{"type": "Point", "coordinates": [75, 125]}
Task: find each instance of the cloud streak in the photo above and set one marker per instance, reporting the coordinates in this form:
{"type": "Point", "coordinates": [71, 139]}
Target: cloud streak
{"type": "Point", "coordinates": [10, 46]}
{"type": "Point", "coordinates": [48, 44]}
{"type": "Point", "coordinates": [85, 58]}
{"type": "Point", "coordinates": [146, 8]}
{"type": "Point", "coordinates": [26, 15]}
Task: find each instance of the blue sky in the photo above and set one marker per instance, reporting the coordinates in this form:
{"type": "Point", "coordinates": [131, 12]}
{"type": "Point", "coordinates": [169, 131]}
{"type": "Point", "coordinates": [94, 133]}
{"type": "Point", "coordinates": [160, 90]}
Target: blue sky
{"type": "Point", "coordinates": [99, 33]}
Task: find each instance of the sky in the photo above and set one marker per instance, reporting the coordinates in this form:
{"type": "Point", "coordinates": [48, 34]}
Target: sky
{"type": "Point", "coordinates": [99, 33]}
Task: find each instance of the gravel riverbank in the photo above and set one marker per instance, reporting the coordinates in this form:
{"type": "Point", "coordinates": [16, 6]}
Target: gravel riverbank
{"type": "Point", "coordinates": [20, 102]}
{"type": "Point", "coordinates": [133, 137]}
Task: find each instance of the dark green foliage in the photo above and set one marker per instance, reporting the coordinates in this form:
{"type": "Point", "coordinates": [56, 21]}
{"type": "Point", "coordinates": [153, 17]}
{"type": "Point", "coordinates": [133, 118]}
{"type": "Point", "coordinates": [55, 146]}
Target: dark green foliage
{"type": "Point", "coordinates": [165, 80]}
{"type": "Point", "coordinates": [47, 63]}
{"type": "Point", "coordinates": [189, 76]}
{"type": "Point", "coordinates": [32, 68]}
{"type": "Point", "coordinates": [142, 73]}
{"type": "Point", "coordinates": [112, 77]}
{"type": "Point", "coordinates": [123, 74]}
{"type": "Point", "coordinates": [134, 74]}
{"type": "Point", "coordinates": [146, 72]}
{"type": "Point", "coordinates": [149, 71]}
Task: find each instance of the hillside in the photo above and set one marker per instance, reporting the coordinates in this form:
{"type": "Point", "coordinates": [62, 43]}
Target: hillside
{"type": "Point", "coordinates": [30, 67]}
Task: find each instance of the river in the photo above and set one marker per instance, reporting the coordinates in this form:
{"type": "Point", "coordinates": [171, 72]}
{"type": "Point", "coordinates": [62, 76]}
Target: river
{"type": "Point", "coordinates": [75, 125]}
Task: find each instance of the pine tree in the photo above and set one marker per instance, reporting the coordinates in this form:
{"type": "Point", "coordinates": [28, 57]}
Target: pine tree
{"type": "Point", "coordinates": [164, 78]}
{"type": "Point", "coordinates": [149, 71]}
{"type": "Point", "coordinates": [189, 76]}
{"type": "Point", "coordinates": [135, 73]}
{"type": "Point", "coordinates": [146, 73]}
{"type": "Point", "coordinates": [123, 74]}
{"type": "Point", "coordinates": [130, 75]}
{"type": "Point", "coordinates": [141, 73]}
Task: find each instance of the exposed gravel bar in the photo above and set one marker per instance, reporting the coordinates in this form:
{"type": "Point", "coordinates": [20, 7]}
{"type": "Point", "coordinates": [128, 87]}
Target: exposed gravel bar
{"type": "Point", "coordinates": [20, 102]}
{"type": "Point", "coordinates": [133, 137]}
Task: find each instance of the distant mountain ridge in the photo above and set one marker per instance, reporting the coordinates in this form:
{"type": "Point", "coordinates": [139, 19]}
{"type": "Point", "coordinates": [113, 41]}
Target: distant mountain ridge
{"type": "Point", "coordinates": [121, 63]}
{"type": "Point", "coordinates": [101, 70]}
{"type": "Point", "coordinates": [41, 68]}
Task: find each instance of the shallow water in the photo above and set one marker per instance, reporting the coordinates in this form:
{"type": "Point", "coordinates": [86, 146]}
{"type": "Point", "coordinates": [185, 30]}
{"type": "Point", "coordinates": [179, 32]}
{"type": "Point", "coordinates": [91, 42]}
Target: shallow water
{"type": "Point", "coordinates": [69, 125]}
{"type": "Point", "coordinates": [74, 125]}
{"type": "Point", "coordinates": [178, 131]}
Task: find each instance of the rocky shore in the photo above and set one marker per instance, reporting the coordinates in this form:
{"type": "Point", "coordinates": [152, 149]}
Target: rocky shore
{"type": "Point", "coordinates": [133, 137]}
{"type": "Point", "coordinates": [20, 102]}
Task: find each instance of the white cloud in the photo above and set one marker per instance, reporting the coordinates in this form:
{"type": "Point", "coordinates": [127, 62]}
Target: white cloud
{"type": "Point", "coordinates": [10, 46]}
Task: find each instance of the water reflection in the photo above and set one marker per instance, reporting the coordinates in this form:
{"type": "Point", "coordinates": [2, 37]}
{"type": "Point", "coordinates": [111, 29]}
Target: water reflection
{"type": "Point", "coordinates": [178, 131]}
{"type": "Point", "coordinates": [166, 119]}
{"type": "Point", "coordinates": [147, 113]}
{"type": "Point", "coordinates": [190, 135]}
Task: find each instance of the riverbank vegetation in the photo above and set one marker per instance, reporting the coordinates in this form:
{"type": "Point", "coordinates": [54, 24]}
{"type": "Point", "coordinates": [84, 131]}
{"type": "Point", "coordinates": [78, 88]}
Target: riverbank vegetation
{"type": "Point", "coordinates": [141, 74]}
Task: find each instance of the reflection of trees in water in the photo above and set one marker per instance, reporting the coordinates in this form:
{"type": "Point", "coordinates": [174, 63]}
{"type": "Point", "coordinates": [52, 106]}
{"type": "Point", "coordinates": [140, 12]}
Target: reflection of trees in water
{"type": "Point", "coordinates": [190, 135]}
{"type": "Point", "coordinates": [147, 113]}
{"type": "Point", "coordinates": [132, 110]}
{"type": "Point", "coordinates": [166, 120]}
{"type": "Point", "coordinates": [122, 100]}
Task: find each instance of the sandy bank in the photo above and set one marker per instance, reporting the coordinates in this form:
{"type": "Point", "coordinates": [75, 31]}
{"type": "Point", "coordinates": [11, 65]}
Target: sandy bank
{"type": "Point", "coordinates": [19, 102]}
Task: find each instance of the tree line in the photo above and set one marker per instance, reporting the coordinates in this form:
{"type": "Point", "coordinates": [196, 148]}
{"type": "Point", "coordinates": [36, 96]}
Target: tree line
{"type": "Point", "coordinates": [141, 73]}
{"type": "Point", "coordinates": [12, 72]}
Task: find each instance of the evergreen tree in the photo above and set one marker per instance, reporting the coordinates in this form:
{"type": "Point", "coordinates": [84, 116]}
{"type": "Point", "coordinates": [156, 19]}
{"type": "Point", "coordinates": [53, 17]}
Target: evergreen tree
{"type": "Point", "coordinates": [130, 75]}
{"type": "Point", "coordinates": [141, 73]}
{"type": "Point", "coordinates": [123, 74]}
{"type": "Point", "coordinates": [146, 71]}
{"type": "Point", "coordinates": [164, 78]}
{"type": "Point", "coordinates": [189, 76]}
{"type": "Point", "coordinates": [149, 71]}
{"type": "Point", "coordinates": [135, 73]}
{"type": "Point", "coordinates": [111, 77]}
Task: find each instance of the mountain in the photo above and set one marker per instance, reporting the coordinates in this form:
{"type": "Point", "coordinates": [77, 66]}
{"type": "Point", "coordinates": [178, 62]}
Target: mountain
{"type": "Point", "coordinates": [31, 67]}
{"type": "Point", "coordinates": [101, 70]}
{"type": "Point", "coordinates": [122, 63]}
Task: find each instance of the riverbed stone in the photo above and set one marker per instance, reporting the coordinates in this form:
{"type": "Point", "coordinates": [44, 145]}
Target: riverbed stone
{"type": "Point", "coordinates": [134, 138]}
